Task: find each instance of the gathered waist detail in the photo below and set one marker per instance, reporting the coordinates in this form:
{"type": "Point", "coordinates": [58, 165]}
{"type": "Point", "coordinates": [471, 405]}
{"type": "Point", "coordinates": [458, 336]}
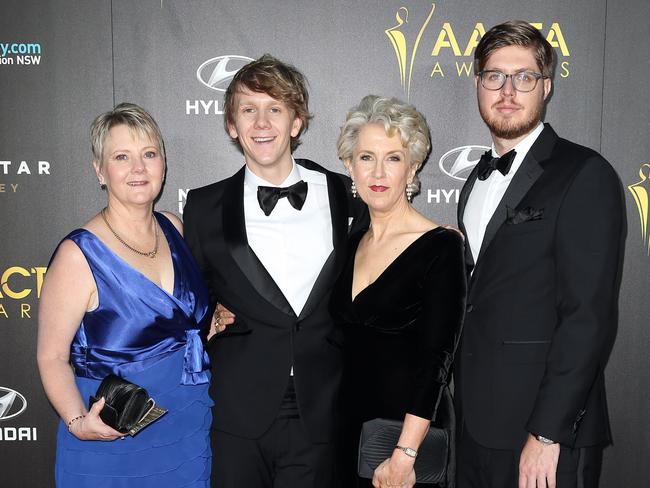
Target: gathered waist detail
{"type": "Point", "coordinates": [97, 363]}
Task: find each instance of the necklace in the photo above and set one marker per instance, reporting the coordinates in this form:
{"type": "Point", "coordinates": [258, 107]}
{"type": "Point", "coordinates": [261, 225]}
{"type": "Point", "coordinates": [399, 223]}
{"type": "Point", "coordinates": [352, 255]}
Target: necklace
{"type": "Point", "coordinates": [150, 254]}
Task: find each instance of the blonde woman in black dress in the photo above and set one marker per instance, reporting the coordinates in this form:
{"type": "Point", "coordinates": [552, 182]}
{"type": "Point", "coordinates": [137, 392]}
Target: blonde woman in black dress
{"type": "Point", "coordinates": [400, 300]}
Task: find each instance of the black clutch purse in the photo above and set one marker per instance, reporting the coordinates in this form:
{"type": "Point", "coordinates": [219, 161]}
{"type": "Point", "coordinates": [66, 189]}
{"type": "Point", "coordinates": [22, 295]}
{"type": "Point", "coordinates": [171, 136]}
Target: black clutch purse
{"type": "Point", "coordinates": [379, 438]}
{"type": "Point", "coordinates": [128, 408]}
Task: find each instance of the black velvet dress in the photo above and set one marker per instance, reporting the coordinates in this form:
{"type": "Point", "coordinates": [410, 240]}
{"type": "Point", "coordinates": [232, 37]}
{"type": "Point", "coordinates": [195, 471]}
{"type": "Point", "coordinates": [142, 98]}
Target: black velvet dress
{"type": "Point", "coordinates": [399, 336]}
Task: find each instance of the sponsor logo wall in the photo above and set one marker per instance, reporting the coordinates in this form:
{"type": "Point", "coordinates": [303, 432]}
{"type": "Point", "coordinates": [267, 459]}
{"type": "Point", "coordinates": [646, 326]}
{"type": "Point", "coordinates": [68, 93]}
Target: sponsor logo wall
{"type": "Point", "coordinates": [20, 288]}
{"type": "Point", "coordinates": [12, 405]}
{"type": "Point", "coordinates": [436, 45]}
{"type": "Point", "coordinates": [456, 164]}
{"type": "Point", "coordinates": [640, 191]}
{"type": "Point", "coordinates": [13, 172]}
{"type": "Point", "coordinates": [20, 54]}
{"type": "Point", "coordinates": [58, 72]}
{"type": "Point", "coordinates": [215, 74]}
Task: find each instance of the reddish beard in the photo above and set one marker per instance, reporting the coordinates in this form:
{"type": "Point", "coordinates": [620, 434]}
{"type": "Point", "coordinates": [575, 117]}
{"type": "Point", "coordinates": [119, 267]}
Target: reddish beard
{"type": "Point", "coordinates": [505, 128]}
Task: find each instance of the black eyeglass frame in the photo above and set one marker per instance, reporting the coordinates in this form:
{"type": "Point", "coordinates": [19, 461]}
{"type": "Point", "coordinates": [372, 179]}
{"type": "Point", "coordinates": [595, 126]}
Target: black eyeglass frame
{"type": "Point", "coordinates": [534, 74]}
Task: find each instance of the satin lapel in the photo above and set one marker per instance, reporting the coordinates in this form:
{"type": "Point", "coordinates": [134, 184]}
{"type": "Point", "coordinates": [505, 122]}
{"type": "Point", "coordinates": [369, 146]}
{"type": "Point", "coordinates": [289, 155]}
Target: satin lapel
{"type": "Point", "coordinates": [234, 233]}
{"type": "Point", "coordinates": [527, 175]}
{"type": "Point", "coordinates": [332, 267]}
{"type": "Point", "coordinates": [462, 203]}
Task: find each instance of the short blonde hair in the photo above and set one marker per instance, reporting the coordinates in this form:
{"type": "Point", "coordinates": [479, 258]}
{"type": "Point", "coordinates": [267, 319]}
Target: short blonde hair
{"type": "Point", "coordinates": [394, 115]}
{"type": "Point", "coordinates": [134, 117]}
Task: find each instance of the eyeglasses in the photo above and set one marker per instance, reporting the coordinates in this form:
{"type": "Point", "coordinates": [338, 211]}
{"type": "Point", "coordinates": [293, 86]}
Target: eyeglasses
{"type": "Point", "coordinates": [522, 81]}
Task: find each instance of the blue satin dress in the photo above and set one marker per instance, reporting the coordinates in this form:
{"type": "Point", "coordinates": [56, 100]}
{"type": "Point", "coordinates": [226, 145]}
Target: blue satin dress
{"type": "Point", "coordinates": [142, 333]}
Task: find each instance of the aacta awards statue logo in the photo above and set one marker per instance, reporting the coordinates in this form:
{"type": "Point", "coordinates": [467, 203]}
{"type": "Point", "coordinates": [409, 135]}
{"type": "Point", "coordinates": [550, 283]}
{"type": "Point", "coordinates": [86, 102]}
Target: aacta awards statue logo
{"type": "Point", "coordinates": [398, 40]}
{"type": "Point", "coordinates": [640, 191]}
{"type": "Point", "coordinates": [451, 53]}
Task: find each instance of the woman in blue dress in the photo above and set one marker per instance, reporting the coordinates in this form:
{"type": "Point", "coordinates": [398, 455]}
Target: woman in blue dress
{"type": "Point", "coordinates": [123, 295]}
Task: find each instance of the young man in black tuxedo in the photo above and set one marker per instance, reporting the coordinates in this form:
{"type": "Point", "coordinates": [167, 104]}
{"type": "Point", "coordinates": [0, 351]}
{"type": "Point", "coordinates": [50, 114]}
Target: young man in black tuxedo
{"type": "Point", "coordinates": [271, 241]}
{"type": "Point", "coordinates": [544, 223]}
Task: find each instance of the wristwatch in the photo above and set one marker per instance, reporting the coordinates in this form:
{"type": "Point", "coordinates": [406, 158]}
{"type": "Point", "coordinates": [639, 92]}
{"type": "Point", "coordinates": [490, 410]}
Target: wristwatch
{"type": "Point", "coordinates": [408, 451]}
{"type": "Point", "coordinates": [544, 440]}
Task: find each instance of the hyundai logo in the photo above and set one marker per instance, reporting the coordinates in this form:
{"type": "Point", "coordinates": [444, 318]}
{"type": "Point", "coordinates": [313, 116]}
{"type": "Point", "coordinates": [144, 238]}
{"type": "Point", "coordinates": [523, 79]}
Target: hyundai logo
{"type": "Point", "coordinates": [216, 73]}
{"type": "Point", "coordinates": [12, 403]}
{"type": "Point", "coordinates": [459, 162]}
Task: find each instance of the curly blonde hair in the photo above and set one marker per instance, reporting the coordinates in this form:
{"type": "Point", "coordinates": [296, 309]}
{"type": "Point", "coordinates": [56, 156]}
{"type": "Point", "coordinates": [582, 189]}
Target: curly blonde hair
{"type": "Point", "coordinates": [394, 115]}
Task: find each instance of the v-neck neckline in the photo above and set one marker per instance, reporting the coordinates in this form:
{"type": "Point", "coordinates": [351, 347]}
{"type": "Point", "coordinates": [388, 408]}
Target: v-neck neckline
{"type": "Point", "coordinates": [136, 270]}
{"type": "Point", "coordinates": [388, 268]}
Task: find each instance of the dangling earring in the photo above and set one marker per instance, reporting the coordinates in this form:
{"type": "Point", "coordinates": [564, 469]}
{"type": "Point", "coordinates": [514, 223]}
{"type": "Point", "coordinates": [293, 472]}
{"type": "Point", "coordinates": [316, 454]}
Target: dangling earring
{"type": "Point", "coordinates": [353, 188]}
{"type": "Point", "coordinates": [409, 191]}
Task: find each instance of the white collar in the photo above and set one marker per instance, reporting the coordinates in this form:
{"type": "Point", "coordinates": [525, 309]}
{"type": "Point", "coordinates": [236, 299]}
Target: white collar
{"type": "Point", "coordinates": [525, 144]}
{"type": "Point", "coordinates": [253, 181]}
{"type": "Point", "coordinates": [296, 174]}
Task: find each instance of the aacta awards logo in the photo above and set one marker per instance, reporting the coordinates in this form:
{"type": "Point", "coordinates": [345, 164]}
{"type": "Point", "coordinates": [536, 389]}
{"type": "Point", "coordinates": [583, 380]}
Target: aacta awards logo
{"type": "Point", "coordinates": [19, 289]}
{"type": "Point", "coordinates": [400, 45]}
{"type": "Point", "coordinates": [215, 74]}
{"type": "Point", "coordinates": [640, 191]}
{"type": "Point", "coordinates": [450, 53]}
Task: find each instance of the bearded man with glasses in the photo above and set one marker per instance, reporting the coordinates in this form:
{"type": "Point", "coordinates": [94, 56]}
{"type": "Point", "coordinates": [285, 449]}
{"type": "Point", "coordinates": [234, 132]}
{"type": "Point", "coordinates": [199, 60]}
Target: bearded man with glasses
{"type": "Point", "coordinates": [543, 220]}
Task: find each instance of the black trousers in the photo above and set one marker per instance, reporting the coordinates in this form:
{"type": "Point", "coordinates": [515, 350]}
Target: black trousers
{"type": "Point", "coordinates": [482, 467]}
{"type": "Point", "coordinates": [282, 458]}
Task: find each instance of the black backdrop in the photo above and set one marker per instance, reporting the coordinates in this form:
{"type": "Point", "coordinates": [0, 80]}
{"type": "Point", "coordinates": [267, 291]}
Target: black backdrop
{"type": "Point", "coordinates": [62, 62]}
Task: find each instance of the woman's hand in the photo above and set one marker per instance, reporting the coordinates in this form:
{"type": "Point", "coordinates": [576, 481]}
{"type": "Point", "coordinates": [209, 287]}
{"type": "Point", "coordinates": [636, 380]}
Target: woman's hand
{"type": "Point", "coordinates": [396, 471]}
{"type": "Point", "coordinates": [221, 318]}
{"type": "Point", "coordinates": [91, 428]}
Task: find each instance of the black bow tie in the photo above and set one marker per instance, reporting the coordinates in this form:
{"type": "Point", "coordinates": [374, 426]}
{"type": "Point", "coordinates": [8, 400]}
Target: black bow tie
{"type": "Point", "coordinates": [487, 164]}
{"type": "Point", "coordinates": [268, 196]}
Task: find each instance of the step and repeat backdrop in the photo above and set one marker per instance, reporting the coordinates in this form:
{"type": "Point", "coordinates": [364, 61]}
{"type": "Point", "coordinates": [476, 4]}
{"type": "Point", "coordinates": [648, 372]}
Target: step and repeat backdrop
{"type": "Point", "coordinates": [63, 62]}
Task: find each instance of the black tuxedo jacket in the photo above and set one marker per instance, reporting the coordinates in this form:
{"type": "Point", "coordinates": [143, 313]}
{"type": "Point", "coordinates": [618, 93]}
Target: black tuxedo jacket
{"type": "Point", "coordinates": [252, 358]}
{"type": "Point", "coordinates": [542, 301]}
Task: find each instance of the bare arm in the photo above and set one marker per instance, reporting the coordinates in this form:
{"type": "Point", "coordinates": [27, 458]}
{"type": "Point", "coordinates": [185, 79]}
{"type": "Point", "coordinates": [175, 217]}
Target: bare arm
{"type": "Point", "coordinates": [68, 292]}
{"type": "Point", "coordinates": [398, 469]}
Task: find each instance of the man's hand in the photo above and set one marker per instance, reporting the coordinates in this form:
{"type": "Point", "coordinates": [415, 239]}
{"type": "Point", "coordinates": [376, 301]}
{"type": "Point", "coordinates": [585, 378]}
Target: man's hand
{"type": "Point", "coordinates": [220, 320]}
{"type": "Point", "coordinates": [538, 464]}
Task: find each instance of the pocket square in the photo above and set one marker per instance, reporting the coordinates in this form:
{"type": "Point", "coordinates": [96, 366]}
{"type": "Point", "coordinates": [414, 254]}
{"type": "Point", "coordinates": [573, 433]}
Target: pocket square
{"type": "Point", "coordinates": [525, 214]}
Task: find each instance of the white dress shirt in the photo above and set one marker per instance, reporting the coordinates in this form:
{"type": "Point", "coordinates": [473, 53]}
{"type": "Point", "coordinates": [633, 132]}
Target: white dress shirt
{"type": "Point", "coordinates": [293, 245]}
{"type": "Point", "coordinates": [486, 195]}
